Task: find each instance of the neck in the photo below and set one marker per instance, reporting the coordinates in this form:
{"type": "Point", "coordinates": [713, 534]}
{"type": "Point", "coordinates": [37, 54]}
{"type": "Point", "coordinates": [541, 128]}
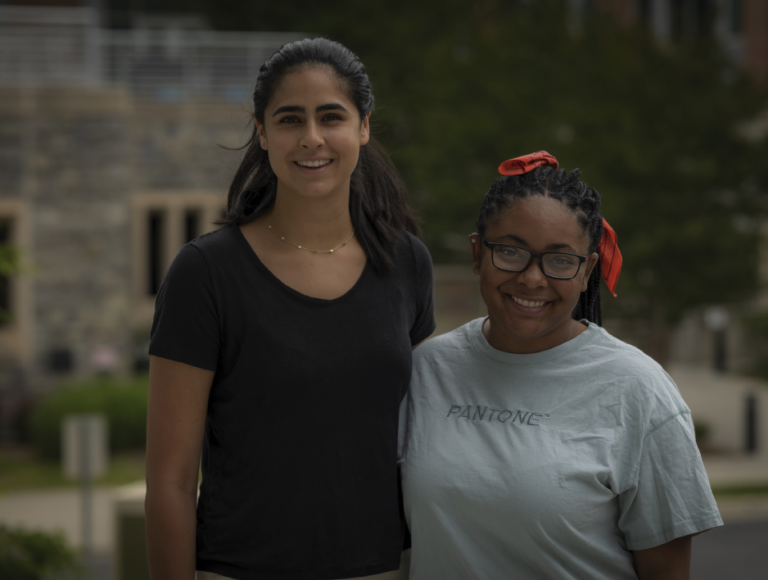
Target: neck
{"type": "Point", "coordinates": [501, 339]}
{"type": "Point", "coordinates": [314, 223]}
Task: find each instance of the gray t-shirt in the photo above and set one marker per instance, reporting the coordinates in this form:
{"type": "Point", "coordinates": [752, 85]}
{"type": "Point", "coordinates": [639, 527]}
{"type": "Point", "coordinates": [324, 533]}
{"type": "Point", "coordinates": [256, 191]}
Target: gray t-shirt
{"type": "Point", "coordinates": [549, 465]}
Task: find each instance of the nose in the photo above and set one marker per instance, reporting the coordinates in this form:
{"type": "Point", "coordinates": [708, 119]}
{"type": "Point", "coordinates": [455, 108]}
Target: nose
{"type": "Point", "coordinates": [311, 137]}
{"type": "Point", "coordinates": [532, 276]}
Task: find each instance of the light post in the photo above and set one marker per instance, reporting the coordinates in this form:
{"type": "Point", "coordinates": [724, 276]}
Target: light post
{"type": "Point", "coordinates": [716, 319]}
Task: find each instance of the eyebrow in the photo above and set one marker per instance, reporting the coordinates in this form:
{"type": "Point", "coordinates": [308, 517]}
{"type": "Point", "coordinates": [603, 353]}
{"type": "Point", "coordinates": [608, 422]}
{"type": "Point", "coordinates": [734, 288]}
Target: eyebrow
{"type": "Point", "coordinates": [319, 109]}
{"type": "Point", "coordinates": [522, 242]}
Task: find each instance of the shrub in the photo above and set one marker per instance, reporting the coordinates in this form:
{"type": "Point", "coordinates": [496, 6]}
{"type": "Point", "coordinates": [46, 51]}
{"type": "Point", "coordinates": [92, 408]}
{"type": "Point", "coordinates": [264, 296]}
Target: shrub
{"type": "Point", "coordinates": [122, 402]}
{"type": "Point", "coordinates": [702, 431]}
{"type": "Point", "coordinates": [27, 555]}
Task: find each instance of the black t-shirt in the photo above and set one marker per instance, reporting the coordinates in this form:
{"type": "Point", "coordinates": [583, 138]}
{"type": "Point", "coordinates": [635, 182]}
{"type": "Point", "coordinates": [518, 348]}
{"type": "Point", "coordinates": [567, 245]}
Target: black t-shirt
{"type": "Point", "coordinates": [300, 451]}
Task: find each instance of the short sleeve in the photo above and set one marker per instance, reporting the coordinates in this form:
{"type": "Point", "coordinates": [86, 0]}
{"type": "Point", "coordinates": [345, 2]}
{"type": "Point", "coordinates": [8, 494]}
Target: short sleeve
{"type": "Point", "coordinates": [670, 496]}
{"type": "Point", "coordinates": [424, 321]}
{"type": "Point", "coordinates": [186, 324]}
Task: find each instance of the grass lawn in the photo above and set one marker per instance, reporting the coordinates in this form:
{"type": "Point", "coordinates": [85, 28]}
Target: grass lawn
{"type": "Point", "coordinates": [741, 490]}
{"type": "Point", "coordinates": [21, 470]}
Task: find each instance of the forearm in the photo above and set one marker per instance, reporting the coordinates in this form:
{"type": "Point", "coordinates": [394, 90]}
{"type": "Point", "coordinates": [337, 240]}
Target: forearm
{"type": "Point", "coordinates": [178, 399]}
{"type": "Point", "coordinates": [170, 524]}
{"type": "Point", "coordinates": [670, 561]}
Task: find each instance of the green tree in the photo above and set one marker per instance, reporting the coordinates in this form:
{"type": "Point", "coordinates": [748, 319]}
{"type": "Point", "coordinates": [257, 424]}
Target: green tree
{"type": "Point", "coordinates": [461, 86]}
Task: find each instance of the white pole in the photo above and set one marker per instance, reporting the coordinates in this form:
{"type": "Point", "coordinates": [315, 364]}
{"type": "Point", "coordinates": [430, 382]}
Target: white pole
{"type": "Point", "coordinates": [86, 490]}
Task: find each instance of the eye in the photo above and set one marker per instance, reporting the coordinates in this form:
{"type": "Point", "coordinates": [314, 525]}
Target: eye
{"type": "Point", "coordinates": [290, 119]}
{"type": "Point", "coordinates": [332, 117]}
{"type": "Point", "coordinates": [564, 260]}
{"type": "Point", "coordinates": [507, 251]}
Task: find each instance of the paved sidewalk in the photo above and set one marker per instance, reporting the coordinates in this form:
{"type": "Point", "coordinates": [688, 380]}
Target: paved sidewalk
{"type": "Point", "coordinates": [738, 509]}
{"type": "Point", "coordinates": [60, 510]}
{"type": "Point", "coordinates": [736, 470]}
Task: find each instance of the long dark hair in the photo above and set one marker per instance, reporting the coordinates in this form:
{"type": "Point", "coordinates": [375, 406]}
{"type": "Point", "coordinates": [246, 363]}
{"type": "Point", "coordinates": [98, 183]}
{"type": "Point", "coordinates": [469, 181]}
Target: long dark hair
{"type": "Point", "coordinates": [576, 195]}
{"type": "Point", "coordinates": [377, 200]}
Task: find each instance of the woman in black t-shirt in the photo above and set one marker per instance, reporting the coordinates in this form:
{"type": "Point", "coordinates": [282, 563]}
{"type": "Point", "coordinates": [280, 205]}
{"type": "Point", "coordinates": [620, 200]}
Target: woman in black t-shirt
{"type": "Point", "coordinates": [281, 347]}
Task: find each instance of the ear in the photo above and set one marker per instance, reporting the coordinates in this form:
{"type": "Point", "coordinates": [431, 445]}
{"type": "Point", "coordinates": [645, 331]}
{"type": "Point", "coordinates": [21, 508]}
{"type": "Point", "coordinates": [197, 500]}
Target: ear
{"type": "Point", "coordinates": [593, 258]}
{"type": "Point", "coordinates": [262, 136]}
{"type": "Point", "coordinates": [476, 244]}
{"type": "Point", "coordinates": [365, 130]}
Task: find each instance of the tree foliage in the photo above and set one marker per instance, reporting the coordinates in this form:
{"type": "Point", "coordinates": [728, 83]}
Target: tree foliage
{"type": "Point", "coordinates": [462, 86]}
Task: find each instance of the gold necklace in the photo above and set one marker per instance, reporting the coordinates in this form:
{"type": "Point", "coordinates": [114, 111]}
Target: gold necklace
{"type": "Point", "coordinates": [331, 251]}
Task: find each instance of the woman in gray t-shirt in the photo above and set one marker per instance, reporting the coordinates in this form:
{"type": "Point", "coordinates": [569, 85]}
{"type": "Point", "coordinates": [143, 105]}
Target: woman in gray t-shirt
{"type": "Point", "coordinates": [533, 444]}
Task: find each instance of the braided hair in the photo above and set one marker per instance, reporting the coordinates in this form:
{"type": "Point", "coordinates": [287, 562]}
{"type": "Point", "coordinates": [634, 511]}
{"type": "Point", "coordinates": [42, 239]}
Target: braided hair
{"type": "Point", "coordinates": [581, 199]}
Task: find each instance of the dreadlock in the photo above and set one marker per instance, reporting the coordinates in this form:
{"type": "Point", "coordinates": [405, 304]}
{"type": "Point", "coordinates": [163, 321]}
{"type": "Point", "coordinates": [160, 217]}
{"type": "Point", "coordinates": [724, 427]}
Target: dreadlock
{"type": "Point", "coordinates": [576, 195]}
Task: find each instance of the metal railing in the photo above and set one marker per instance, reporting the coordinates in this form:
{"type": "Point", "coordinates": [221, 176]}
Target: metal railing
{"type": "Point", "coordinates": [67, 48]}
{"type": "Point", "coordinates": [174, 65]}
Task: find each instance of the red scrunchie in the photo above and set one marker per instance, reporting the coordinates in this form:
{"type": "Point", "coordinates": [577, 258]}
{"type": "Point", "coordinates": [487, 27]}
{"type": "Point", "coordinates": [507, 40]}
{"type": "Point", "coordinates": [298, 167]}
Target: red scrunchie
{"type": "Point", "coordinates": [610, 256]}
{"type": "Point", "coordinates": [526, 163]}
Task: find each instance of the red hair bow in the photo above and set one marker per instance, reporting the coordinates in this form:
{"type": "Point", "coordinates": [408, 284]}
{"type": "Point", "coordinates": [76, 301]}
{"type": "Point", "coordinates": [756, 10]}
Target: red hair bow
{"type": "Point", "coordinates": [526, 163]}
{"type": "Point", "coordinates": [610, 257]}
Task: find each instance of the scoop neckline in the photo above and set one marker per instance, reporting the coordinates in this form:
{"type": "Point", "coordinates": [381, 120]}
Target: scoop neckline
{"type": "Point", "coordinates": [246, 247]}
{"type": "Point", "coordinates": [484, 348]}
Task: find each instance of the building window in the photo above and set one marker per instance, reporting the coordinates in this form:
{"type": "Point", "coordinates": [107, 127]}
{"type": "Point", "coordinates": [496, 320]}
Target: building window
{"type": "Point", "coordinates": [735, 16]}
{"type": "Point", "coordinates": [644, 10]}
{"type": "Point", "coordinates": [703, 16]}
{"type": "Point", "coordinates": [5, 281]}
{"type": "Point", "coordinates": [156, 223]}
{"type": "Point", "coordinates": [162, 223]}
{"type": "Point", "coordinates": [191, 224]}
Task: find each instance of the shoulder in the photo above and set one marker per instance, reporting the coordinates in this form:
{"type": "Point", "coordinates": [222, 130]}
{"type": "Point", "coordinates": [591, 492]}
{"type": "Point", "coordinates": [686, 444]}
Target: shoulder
{"type": "Point", "coordinates": [641, 380]}
{"type": "Point", "coordinates": [445, 350]}
{"type": "Point", "coordinates": [623, 358]}
{"type": "Point", "coordinates": [217, 251]}
{"type": "Point", "coordinates": [217, 242]}
{"type": "Point", "coordinates": [412, 250]}
{"type": "Point", "coordinates": [201, 258]}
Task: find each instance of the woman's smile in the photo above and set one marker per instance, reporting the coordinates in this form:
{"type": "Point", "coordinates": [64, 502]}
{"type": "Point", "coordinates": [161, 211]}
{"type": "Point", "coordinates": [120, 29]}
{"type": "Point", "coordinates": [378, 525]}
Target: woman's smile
{"type": "Point", "coordinates": [528, 305]}
{"type": "Point", "coordinates": [313, 163]}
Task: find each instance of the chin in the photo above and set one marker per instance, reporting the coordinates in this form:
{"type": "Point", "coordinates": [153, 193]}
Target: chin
{"type": "Point", "coordinates": [525, 330]}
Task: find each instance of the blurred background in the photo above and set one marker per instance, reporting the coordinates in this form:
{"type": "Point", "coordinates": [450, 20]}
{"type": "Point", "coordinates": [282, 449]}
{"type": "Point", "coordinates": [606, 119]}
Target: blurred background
{"type": "Point", "coordinates": [119, 127]}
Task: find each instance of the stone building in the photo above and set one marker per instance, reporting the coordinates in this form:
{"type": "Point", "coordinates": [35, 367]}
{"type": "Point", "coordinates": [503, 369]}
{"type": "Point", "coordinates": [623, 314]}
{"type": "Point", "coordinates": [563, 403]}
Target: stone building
{"type": "Point", "coordinates": [110, 160]}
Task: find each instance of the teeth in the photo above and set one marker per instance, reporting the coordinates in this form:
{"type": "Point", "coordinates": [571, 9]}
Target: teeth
{"type": "Point", "coordinates": [528, 303]}
{"type": "Point", "coordinates": [314, 163]}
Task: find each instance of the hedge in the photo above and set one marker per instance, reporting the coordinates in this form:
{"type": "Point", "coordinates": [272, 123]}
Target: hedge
{"type": "Point", "coordinates": [123, 402]}
{"type": "Point", "coordinates": [28, 555]}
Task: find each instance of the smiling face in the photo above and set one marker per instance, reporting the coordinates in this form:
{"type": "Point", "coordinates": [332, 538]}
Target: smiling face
{"type": "Point", "coordinates": [313, 133]}
{"type": "Point", "coordinates": [527, 311]}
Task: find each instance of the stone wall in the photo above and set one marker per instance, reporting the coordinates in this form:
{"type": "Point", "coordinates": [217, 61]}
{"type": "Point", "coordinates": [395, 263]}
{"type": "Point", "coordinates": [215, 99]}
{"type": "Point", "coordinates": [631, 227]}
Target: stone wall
{"type": "Point", "coordinates": [73, 159]}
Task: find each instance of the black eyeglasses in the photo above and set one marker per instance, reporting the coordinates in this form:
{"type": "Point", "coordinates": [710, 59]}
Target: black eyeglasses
{"type": "Point", "coordinates": [556, 265]}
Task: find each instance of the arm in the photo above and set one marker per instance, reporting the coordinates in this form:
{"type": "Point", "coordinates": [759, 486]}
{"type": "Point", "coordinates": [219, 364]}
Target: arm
{"type": "Point", "coordinates": [670, 561]}
{"type": "Point", "coordinates": [178, 399]}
